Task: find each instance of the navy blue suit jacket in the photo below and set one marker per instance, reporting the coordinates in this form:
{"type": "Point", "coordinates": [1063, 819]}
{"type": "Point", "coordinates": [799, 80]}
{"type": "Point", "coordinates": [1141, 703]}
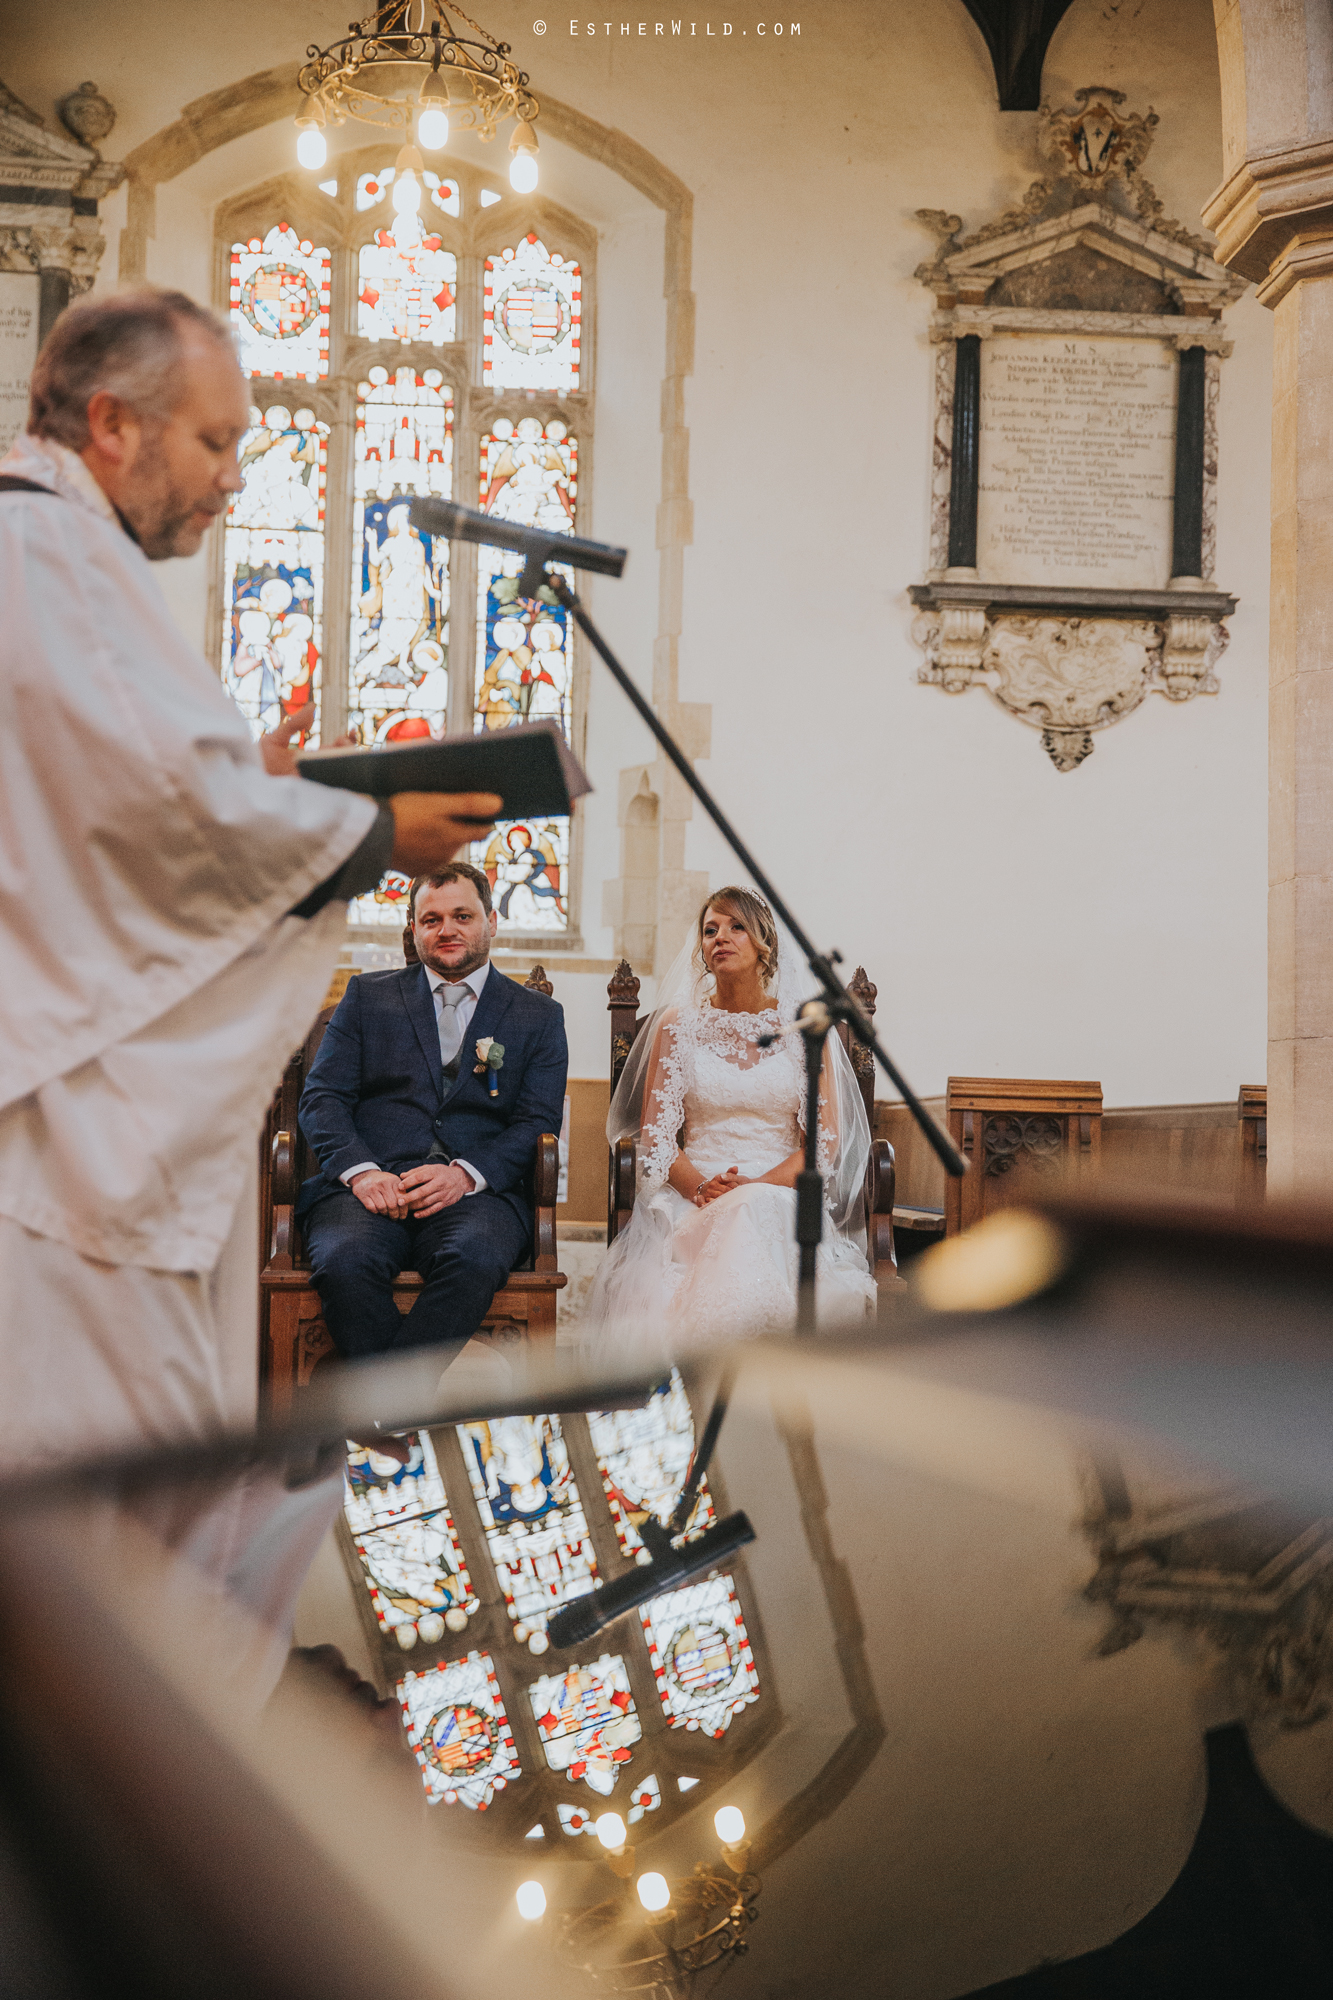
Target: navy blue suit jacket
{"type": "Point", "coordinates": [377, 1089]}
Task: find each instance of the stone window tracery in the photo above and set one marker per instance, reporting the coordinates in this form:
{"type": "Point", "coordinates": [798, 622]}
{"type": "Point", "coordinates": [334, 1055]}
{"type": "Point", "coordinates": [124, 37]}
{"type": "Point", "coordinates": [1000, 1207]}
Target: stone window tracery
{"type": "Point", "coordinates": [395, 348]}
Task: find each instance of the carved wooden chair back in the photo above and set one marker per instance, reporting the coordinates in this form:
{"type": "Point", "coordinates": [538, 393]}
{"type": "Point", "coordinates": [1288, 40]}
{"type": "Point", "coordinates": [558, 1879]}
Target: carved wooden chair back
{"type": "Point", "coordinates": [1017, 1135]}
{"type": "Point", "coordinates": [1252, 1113]}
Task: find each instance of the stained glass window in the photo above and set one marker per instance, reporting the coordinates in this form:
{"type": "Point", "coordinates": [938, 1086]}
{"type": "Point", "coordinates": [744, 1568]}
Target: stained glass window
{"type": "Point", "coordinates": [280, 305]}
{"type": "Point", "coordinates": [532, 311]}
{"type": "Point", "coordinates": [701, 1655]}
{"type": "Point", "coordinates": [533, 1517]}
{"type": "Point", "coordinates": [528, 473]}
{"type": "Point", "coordinates": [406, 293]}
{"type": "Point", "coordinates": [398, 675]}
{"type": "Point", "coordinates": [407, 1545]}
{"type": "Point", "coordinates": [587, 1721]}
{"type": "Point", "coordinates": [273, 567]}
{"type": "Point", "coordinates": [644, 1457]}
{"type": "Point", "coordinates": [457, 1726]}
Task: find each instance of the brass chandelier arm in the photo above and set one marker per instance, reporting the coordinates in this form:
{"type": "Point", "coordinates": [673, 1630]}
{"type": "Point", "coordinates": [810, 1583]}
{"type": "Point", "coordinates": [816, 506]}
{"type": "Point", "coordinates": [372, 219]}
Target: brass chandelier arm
{"type": "Point", "coordinates": [338, 80]}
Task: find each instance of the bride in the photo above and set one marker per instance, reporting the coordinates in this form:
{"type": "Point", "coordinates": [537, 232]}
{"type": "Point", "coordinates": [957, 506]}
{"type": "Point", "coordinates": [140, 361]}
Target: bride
{"type": "Point", "coordinates": [710, 1251]}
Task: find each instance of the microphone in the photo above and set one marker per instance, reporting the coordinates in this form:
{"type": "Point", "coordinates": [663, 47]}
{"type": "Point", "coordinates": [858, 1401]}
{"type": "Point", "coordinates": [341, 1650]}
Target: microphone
{"type": "Point", "coordinates": [576, 1623]}
{"type": "Point", "coordinates": [539, 545]}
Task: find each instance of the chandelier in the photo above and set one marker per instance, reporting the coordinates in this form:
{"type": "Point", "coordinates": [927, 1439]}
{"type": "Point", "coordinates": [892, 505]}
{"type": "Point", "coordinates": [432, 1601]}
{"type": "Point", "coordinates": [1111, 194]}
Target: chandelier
{"type": "Point", "coordinates": [674, 1933]}
{"type": "Point", "coordinates": [394, 72]}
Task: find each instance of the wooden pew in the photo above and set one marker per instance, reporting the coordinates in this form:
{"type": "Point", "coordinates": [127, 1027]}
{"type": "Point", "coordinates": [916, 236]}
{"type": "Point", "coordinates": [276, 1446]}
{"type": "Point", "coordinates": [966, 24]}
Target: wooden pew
{"type": "Point", "coordinates": [626, 1026]}
{"type": "Point", "coordinates": [293, 1338]}
{"type": "Point", "coordinates": [1018, 1134]}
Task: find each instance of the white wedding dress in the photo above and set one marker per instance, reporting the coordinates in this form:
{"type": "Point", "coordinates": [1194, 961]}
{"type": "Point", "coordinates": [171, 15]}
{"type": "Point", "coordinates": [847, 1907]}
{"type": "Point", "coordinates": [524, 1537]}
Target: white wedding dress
{"type": "Point", "coordinates": [679, 1277]}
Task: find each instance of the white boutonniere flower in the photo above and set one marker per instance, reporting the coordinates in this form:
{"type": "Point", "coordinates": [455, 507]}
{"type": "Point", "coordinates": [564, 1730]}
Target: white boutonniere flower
{"type": "Point", "coordinates": [490, 1059]}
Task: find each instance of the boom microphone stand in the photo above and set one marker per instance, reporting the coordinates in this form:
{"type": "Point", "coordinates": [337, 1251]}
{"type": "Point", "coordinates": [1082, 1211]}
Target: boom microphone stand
{"type": "Point", "coordinates": [540, 548]}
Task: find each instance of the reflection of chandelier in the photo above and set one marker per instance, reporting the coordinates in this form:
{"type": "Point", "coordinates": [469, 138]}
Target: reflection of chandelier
{"type": "Point", "coordinates": [658, 1949]}
{"type": "Point", "coordinates": [392, 70]}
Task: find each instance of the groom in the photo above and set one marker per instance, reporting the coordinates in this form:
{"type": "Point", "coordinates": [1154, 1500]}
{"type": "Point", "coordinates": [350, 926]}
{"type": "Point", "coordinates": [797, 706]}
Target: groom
{"type": "Point", "coordinates": [427, 1151]}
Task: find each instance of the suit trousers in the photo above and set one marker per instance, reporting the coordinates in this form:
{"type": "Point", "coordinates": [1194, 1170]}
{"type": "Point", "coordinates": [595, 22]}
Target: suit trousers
{"type": "Point", "coordinates": [464, 1255]}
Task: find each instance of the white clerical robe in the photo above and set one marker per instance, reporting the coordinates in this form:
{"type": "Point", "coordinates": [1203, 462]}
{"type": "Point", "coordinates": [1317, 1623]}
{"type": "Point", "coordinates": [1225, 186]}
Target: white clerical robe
{"type": "Point", "coordinates": [152, 985]}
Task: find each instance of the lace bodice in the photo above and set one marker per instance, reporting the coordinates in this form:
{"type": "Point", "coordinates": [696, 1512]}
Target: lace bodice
{"type": "Point", "coordinates": [716, 1095]}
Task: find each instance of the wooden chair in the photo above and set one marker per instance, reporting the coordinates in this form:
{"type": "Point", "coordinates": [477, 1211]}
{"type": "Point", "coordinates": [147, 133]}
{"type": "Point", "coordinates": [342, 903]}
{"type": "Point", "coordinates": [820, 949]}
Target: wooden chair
{"type": "Point", "coordinates": [626, 1026]}
{"type": "Point", "coordinates": [1017, 1134]}
{"type": "Point", "coordinates": [293, 1338]}
{"type": "Point", "coordinates": [1252, 1112]}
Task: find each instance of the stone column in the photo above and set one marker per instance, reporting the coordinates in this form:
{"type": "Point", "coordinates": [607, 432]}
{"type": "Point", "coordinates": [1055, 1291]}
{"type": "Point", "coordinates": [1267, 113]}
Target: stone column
{"type": "Point", "coordinates": [1274, 218]}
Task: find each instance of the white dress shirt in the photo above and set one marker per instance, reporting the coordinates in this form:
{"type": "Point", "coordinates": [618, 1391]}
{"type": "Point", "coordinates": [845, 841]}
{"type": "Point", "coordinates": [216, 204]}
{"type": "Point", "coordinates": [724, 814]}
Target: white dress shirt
{"type": "Point", "coordinates": [466, 1009]}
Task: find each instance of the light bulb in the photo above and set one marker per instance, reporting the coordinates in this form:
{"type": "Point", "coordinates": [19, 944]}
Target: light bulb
{"type": "Point", "coordinates": [310, 148]}
{"type": "Point", "coordinates": [531, 1900]}
{"type": "Point", "coordinates": [654, 1893]}
{"type": "Point", "coordinates": [406, 193]}
{"type": "Point", "coordinates": [523, 173]}
{"type": "Point", "coordinates": [610, 1830]}
{"type": "Point", "coordinates": [433, 129]}
{"type": "Point", "coordinates": [729, 1825]}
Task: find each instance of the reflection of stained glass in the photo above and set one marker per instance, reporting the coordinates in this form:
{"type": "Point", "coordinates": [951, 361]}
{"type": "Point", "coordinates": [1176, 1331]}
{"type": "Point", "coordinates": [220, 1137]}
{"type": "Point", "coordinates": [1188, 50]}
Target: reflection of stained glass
{"type": "Point", "coordinates": [533, 1517]}
{"type": "Point", "coordinates": [644, 1457]}
{"type": "Point", "coordinates": [577, 1819]}
{"type": "Point", "coordinates": [280, 306]}
{"type": "Point", "coordinates": [273, 567]}
{"type": "Point", "coordinates": [645, 1798]}
{"type": "Point", "coordinates": [406, 294]}
{"type": "Point", "coordinates": [531, 319]}
{"type": "Point", "coordinates": [398, 676]}
{"type": "Point", "coordinates": [701, 1657]}
{"type": "Point", "coordinates": [459, 1732]}
{"type": "Point", "coordinates": [587, 1721]}
{"type": "Point", "coordinates": [408, 1548]}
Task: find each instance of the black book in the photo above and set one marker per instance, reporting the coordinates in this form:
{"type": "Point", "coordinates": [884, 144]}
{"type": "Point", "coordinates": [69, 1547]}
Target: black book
{"type": "Point", "coordinates": [529, 764]}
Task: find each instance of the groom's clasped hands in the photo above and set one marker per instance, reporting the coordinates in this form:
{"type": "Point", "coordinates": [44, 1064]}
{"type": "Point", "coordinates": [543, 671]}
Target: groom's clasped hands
{"type": "Point", "coordinates": [421, 1192]}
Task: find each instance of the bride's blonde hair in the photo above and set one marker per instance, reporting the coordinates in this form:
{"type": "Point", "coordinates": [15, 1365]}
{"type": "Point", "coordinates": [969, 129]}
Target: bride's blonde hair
{"type": "Point", "coordinates": [756, 919]}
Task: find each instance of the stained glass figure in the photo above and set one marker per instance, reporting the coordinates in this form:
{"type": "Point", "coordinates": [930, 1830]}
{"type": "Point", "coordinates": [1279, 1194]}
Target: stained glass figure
{"type": "Point", "coordinates": [385, 905]}
{"type": "Point", "coordinates": [406, 293]}
{"type": "Point", "coordinates": [398, 674]}
{"type": "Point", "coordinates": [645, 1798]}
{"type": "Point", "coordinates": [273, 567]}
{"type": "Point", "coordinates": [644, 1457]}
{"type": "Point", "coordinates": [533, 1517]}
{"type": "Point", "coordinates": [459, 1732]}
{"type": "Point", "coordinates": [532, 310]}
{"type": "Point", "coordinates": [527, 866]}
{"type": "Point", "coordinates": [700, 1655]}
{"type": "Point", "coordinates": [528, 473]}
{"type": "Point", "coordinates": [587, 1721]}
{"type": "Point", "coordinates": [407, 1544]}
{"type": "Point", "coordinates": [280, 306]}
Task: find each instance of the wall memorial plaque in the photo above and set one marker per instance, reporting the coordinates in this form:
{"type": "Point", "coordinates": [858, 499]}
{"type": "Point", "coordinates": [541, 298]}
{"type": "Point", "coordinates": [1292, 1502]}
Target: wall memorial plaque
{"type": "Point", "coordinates": [1079, 346]}
{"type": "Point", "coordinates": [1077, 461]}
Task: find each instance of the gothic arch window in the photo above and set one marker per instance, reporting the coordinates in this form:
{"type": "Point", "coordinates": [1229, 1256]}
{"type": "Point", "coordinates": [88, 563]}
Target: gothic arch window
{"type": "Point", "coordinates": [447, 352]}
{"type": "Point", "coordinates": [458, 1561]}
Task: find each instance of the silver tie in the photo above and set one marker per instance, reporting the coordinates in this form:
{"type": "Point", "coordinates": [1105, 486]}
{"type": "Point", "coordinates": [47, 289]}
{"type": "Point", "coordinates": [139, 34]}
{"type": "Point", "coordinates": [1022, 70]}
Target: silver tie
{"type": "Point", "coordinates": [451, 1034]}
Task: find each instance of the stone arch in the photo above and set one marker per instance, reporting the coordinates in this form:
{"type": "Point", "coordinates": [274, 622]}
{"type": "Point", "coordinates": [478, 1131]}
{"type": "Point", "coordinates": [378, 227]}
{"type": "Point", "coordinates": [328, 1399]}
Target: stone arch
{"type": "Point", "coordinates": [237, 109]}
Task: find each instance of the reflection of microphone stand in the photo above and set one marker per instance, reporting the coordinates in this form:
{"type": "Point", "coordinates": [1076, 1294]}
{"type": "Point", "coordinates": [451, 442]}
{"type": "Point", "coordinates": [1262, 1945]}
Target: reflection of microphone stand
{"type": "Point", "coordinates": [540, 547]}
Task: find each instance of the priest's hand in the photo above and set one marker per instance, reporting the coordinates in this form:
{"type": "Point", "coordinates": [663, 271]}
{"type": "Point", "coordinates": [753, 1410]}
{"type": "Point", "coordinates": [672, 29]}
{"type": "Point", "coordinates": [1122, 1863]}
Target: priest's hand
{"type": "Point", "coordinates": [381, 1193]}
{"type": "Point", "coordinates": [276, 748]}
{"type": "Point", "coordinates": [429, 828]}
{"type": "Point", "coordinates": [431, 1189]}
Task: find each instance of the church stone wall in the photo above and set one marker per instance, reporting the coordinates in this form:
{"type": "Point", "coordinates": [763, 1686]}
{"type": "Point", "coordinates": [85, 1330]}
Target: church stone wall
{"type": "Point", "coordinates": [1017, 921]}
